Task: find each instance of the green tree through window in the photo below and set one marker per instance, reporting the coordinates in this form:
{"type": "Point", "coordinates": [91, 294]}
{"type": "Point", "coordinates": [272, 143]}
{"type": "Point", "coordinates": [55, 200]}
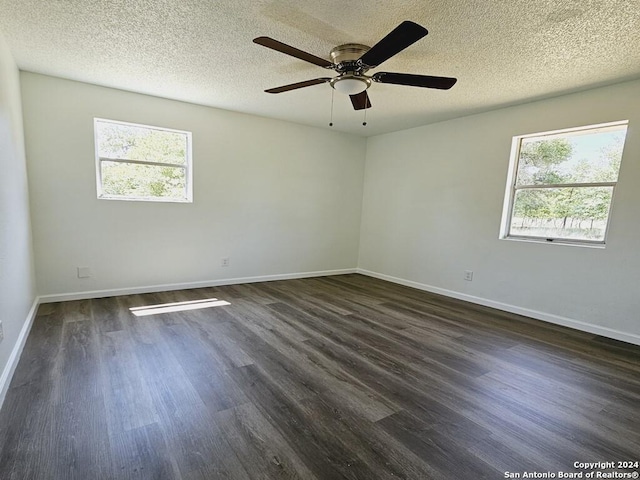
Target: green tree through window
{"type": "Point", "coordinates": [563, 184]}
{"type": "Point", "coordinates": [137, 162]}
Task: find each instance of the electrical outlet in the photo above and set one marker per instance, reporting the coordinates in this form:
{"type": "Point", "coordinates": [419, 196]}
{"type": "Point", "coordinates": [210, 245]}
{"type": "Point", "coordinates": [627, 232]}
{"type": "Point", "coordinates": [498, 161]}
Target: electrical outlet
{"type": "Point", "coordinates": [1, 332]}
{"type": "Point", "coordinates": [468, 275]}
{"type": "Point", "coordinates": [224, 262]}
{"type": "Point", "coordinates": [84, 272]}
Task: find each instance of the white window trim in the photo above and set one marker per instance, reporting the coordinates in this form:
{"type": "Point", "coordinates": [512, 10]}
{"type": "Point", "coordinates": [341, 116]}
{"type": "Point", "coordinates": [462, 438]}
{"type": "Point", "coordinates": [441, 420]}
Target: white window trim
{"type": "Point", "coordinates": [511, 188]}
{"type": "Point", "coordinates": [187, 166]}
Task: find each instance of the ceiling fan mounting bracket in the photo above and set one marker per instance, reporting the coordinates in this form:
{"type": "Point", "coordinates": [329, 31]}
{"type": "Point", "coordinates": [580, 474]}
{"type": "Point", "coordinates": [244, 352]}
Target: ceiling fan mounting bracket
{"type": "Point", "coordinates": [348, 52]}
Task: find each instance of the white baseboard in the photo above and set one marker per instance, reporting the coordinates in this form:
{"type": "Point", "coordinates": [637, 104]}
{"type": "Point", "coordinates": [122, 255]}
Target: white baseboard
{"type": "Point", "coordinates": [14, 358]}
{"type": "Point", "coordinates": [546, 317]}
{"type": "Point", "coordinates": [63, 297]}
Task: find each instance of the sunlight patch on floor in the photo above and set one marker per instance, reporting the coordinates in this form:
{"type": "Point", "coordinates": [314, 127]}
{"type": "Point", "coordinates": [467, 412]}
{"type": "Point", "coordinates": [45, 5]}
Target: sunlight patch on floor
{"type": "Point", "coordinates": [177, 307]}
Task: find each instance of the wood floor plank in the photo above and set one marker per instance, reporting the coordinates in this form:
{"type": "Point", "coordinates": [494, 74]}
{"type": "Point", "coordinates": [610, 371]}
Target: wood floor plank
{"type": "Point", "coordinates": [126, 396]}
{"type": "Point", "coordinates": [108, 314]}
{"type": "Point", "coordinates": [342, 377]}
{"type": "Point", "coordinates": [205, 324]}
{"type": "Point", "coordinates": [198, 444]}
{"type": "Point", "coordinates": [262, 317]}
{"type": "Point", "coordinates": [142, 454]}
{"type": "Point", "coordinates": [442, 452]}
{"type": "Point", "coordinates": [23, 434]}
{"type": "Point", "coordinates": [76, 311]}
{"type": "Point", "coordinates": [320, 449]}
{"type": "Point", "coordinates": [324, 376]}
{"type": "Point", "coordinates": [43, 347]}
{"type": "Point", "coordinates": [80, 368]}
{"type": "Point", "coordinates": [79, 441]}
{"type": "Point", "coordinates": [204, 367]}
{"type": "Point", "coordinates": [263, 451]}
{"type": "Point", "coordinates": [431, 404]}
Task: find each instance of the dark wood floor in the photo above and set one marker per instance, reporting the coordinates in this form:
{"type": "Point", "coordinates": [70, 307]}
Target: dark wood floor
{"type": "Point", "coordinates": [336, 377]}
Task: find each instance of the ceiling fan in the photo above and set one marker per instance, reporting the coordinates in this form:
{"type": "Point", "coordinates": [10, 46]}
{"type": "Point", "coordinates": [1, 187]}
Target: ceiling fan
{"type": "Point", "coordinates": [351, 62]}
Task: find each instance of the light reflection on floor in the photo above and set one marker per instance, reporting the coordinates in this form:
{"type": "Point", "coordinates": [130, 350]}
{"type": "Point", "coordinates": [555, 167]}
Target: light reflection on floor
{"type": "Point", "coordinates": [177, 307]}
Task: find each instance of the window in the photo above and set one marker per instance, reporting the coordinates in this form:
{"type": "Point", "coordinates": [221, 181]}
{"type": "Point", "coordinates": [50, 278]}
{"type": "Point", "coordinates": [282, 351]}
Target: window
{"type": "Point", "coordinates": [561, 184]}
{"type": "Point", "coordinates": [140, 162]}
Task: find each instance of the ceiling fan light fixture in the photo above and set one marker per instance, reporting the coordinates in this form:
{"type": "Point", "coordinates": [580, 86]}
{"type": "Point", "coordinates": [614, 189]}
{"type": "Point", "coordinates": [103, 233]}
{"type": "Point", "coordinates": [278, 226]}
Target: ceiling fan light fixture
{"type": "Point", "coordinates": [351, 84]}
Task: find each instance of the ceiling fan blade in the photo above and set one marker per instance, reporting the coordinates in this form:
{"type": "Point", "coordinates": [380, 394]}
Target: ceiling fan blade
{"type": "Point", "coordinates": [443, 83]}
{"type": "Point", "coordinates": [400, 38]}
{"type": "Point", "coordinates": [360, 101]}
{"type": "Point", "coordinates": [294, 52]}
{"type": "Point", "coordinates": [295, 86]}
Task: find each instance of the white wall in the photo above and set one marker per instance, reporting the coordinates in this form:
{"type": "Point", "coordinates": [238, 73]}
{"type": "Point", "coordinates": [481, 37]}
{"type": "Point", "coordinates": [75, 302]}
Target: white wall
{"type": "Point", "coordinates": [432, 209]}
{"type": "Point", "coordinates": [17, 292]}
{"type": "Point", "coordinates": [280, 199]}
{"type": "Point", "coordinates": [275, 197]}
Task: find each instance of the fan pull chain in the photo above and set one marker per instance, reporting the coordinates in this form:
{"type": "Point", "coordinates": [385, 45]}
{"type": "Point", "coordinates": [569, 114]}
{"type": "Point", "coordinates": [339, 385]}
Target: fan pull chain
{"type": "Point", "coordinates": [364, 124]}
{"type": "Point", "coordinates": [331, 121]}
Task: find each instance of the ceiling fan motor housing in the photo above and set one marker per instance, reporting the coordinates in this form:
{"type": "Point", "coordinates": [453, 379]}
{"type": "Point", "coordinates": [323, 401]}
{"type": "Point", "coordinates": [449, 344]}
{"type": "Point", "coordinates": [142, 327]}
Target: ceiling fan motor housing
{"type": "Point", "coordinates": [345, 58]}
{"type": "Point", "coordinates": [348, 51]}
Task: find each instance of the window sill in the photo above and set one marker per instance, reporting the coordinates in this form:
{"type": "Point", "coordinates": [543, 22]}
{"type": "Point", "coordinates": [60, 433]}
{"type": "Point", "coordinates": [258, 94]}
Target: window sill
{"type": "Point", "coordinates": [150, 200]}
{"type": "Point", "coordinates": [566, 243]}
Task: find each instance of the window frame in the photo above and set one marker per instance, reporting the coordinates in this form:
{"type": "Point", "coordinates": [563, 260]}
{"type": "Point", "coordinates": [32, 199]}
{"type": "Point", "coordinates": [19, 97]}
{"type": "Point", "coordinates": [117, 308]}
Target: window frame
{"type": "Point", "coordinates": [187, 166]}
{"type": "Point", "coordinates": [512, 187]}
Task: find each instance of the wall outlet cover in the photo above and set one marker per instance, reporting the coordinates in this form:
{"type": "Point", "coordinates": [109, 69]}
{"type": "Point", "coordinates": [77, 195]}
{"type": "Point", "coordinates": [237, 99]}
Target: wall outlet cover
{"type": "Point", "coordinates": [84, 272]}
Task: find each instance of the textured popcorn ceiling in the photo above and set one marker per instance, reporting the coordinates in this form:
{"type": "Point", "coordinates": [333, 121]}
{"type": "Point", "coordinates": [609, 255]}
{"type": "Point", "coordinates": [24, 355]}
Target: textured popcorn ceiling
{"type": "Point", "coordinates": [502, 52]}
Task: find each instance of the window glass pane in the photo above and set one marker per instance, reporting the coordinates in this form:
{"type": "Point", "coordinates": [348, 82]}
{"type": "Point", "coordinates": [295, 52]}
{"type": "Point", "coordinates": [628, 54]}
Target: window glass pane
{"type": "Point", "coordinates": [580, 157]}
{"type": "Point", "coordinates": [130, 142]}
{"type": "Point", "coordinates": [133, 180]}
{"type": "Point", "coordinates": [578, 213]}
